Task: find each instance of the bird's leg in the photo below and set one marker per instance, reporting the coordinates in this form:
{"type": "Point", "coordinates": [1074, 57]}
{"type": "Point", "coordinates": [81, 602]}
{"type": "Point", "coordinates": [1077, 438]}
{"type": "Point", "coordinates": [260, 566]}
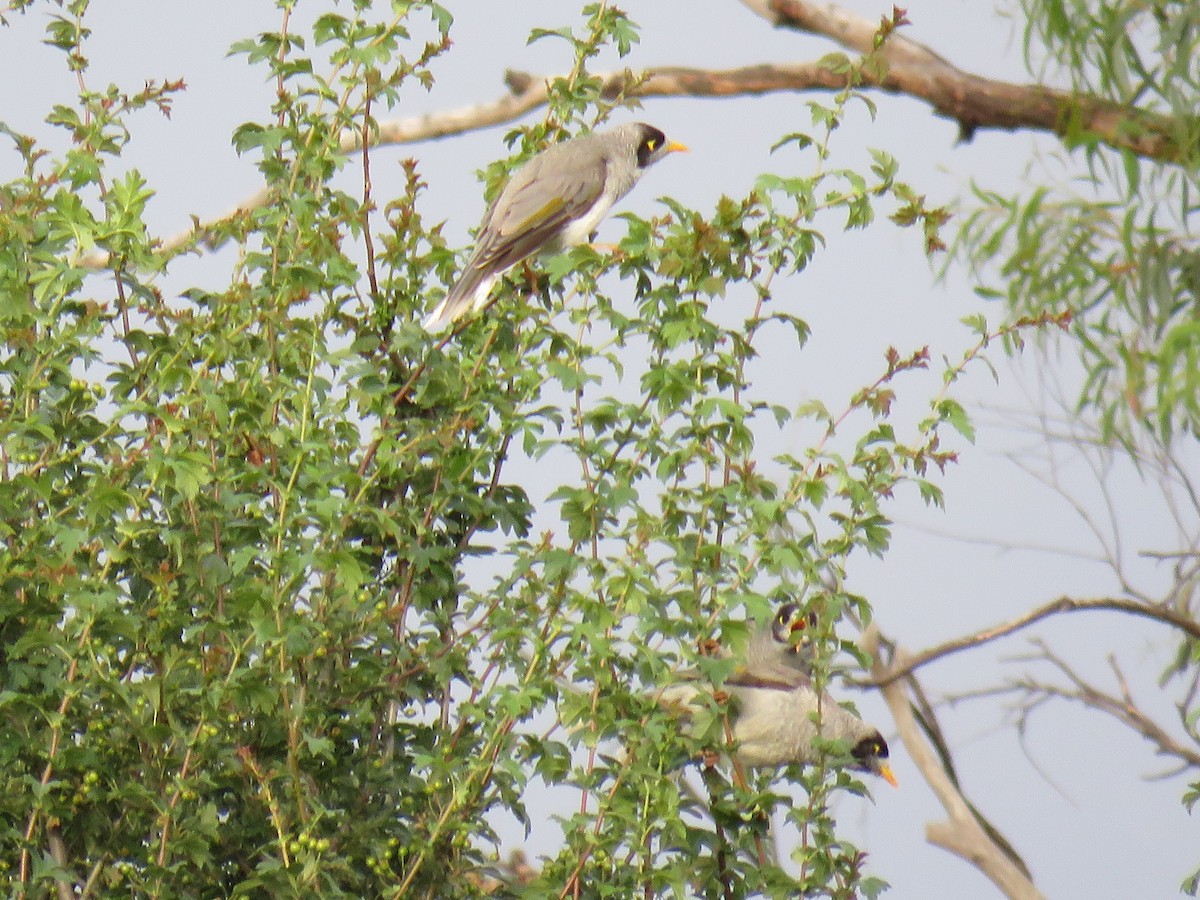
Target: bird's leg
{"type": "Point", "coordinates": [529, 275]}
{"type": "Point", "coordinates": [601, 248]}
{"type": "Point", "coordinates": [531, 282]}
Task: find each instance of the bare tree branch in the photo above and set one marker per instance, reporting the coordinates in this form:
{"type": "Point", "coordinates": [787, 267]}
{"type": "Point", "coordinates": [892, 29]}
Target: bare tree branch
{"type": "Point", "coordinates": [926, 719]}
{"type": "Point", "coordinates": [1123, 708]}
{"type": "Point", "coordinates": [961, 834]}
{"type": "Point", "coordinates": [976, 102]}
{"type": "Point", "coordinates": [911, 68]}
{"type": "Point", "coordinates": [526, 93]}
{"type": "Point", "coordinates": [1184, 623]}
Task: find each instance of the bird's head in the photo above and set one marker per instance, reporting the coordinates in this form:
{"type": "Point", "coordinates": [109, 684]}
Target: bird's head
{"type": "Point", "coordinates": [652, 145]}
{"type": "Point", "coordinates": [871, 755]}
{"type": "Point", "coordinates": [792, 624]}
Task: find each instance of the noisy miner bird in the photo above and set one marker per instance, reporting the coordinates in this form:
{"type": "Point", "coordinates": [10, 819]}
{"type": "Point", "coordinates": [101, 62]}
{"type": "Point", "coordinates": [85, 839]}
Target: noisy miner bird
{"type": "Point", "coordinates": [775, 700]}
{"type": "Point", "coordinates": [554, 201]}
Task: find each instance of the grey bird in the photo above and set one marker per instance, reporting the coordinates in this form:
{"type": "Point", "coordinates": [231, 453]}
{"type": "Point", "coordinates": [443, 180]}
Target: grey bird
{"type": "Point", "coordinates": [774, 703]}
{"type": "Point", "coordinates": [554, 201]}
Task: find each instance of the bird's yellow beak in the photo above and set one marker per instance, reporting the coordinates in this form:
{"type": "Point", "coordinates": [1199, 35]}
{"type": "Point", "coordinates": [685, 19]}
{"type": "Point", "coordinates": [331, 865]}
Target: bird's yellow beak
{"type": "Point", "coordinates": [885, 772]}
{"type": "Point", "coordinates": [673, 147]}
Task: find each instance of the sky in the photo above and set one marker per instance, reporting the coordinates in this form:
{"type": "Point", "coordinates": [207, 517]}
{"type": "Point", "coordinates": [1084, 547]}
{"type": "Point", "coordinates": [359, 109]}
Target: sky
{"type": "Point", "coordinates": [1072, 794]}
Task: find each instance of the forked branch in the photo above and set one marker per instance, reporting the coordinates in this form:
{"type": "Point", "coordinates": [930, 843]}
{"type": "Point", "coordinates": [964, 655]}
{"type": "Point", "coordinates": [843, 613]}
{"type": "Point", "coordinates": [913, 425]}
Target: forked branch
{"type": "Point", "coordinates": [961, 833]}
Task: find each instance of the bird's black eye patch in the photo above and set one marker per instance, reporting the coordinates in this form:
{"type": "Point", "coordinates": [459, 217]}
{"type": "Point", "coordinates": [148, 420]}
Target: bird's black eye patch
{"type": "Point", "coordinates": [652, 140]}
{"type": "Point", "coordinates": [868, 747]}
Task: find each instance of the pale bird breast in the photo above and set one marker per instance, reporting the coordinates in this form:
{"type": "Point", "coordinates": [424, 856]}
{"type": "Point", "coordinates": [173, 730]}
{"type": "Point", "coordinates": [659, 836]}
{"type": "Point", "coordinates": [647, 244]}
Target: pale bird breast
{"type": "Point", "coordinates": [773, 727]}
{"type": "Point", "coordinates": [580, 230]}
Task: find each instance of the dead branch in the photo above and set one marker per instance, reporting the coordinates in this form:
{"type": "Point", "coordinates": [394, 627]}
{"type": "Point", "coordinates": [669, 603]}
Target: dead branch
{"type": "Point", "coordinates": [1124, 708]}
{"type": "Point", "coordinates": [1184, 623]}
{"type": "Point", "coordinates": [432, 126]}
{"type": "Point", "coordinates": [911, 68]}
{"type": "Point", "coordinates": [976, 102]}
{"type": "Point", "coordinates": [961, 834]}
{"type": "Point", "coordinates": [526, 93]}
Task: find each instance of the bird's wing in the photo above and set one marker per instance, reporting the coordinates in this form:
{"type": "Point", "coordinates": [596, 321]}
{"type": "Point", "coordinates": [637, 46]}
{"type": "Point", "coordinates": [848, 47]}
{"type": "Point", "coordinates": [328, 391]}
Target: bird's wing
{"type": "Point", "coordinates": [535, 206]}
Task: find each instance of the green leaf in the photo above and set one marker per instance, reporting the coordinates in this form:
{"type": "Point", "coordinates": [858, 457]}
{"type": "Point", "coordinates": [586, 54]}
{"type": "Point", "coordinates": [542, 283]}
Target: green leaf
{"type": "Point", "coordinates": [952, 412]}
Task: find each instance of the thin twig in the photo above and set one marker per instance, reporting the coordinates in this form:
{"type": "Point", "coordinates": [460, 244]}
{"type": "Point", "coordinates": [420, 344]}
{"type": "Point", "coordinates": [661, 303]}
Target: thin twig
{"type": "Point", "coordinates": [1186, 624]}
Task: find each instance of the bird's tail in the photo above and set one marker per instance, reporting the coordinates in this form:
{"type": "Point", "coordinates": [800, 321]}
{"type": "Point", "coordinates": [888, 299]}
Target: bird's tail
{"type": "Point", "coordinates": [469, 292]}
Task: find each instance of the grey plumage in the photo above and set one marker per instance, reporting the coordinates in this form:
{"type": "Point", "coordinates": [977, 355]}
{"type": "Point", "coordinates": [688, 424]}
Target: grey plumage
{"type": "Point", "coordinates": [774, 702]}
{"type": "Point", "coordinates": [554, 201]}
